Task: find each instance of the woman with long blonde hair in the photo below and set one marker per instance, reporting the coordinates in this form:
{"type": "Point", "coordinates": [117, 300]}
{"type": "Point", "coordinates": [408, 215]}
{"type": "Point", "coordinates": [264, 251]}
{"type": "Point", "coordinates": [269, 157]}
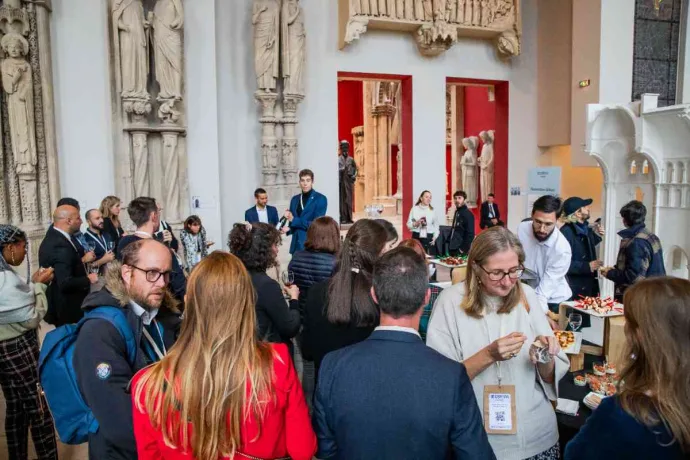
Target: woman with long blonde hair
{"type": "Point", "coordinates": [650, 416]}
{"type": "Point", "coordinates": [422, 221]}
{"type": "Point", "coordinates": [110, 208]}
{"type": "Point", "coordinates": [219, 392]}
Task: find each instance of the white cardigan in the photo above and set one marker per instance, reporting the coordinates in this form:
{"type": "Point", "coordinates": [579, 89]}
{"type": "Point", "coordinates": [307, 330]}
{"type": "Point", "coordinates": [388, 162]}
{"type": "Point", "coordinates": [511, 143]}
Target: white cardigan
{"type": "Point", "coordinates": [458, 336]}
{"type": "Point", "coordinates": [417, 213]}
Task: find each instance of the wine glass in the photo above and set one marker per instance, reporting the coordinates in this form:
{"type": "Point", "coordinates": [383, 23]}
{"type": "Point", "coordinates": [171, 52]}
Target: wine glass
{"type": "Point", "coordinates": [288, 278]}
{"type": "Point", "coordinates": [575, 321]}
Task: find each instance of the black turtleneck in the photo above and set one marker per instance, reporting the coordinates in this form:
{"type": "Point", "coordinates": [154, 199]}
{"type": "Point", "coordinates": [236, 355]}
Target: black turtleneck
{"type": "Point", "coordinates": [305, 198]}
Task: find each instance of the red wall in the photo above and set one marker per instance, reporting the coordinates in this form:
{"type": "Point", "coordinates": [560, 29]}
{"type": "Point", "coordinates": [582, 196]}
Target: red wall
{"type": "Point", "coordinates": [350, 109]}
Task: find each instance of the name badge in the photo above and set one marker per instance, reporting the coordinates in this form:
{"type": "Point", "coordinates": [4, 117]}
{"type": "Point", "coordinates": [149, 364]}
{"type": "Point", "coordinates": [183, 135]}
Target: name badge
{"type": "Point", "coordinates": [423, 233]}
{"type": "Point", "coordinates": [500, 415]}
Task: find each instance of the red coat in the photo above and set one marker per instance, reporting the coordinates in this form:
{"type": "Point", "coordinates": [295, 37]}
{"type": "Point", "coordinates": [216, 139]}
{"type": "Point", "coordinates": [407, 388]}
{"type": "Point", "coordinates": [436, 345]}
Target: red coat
{"type": "Point", "coordinates": [285, 431]}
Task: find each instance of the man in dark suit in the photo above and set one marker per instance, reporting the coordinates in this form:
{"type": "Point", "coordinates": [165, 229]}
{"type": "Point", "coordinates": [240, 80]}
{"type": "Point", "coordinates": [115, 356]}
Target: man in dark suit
{"type": "Point", "coordinates": [71, 283]}
{"type": "Point", "coordinates": [305, 208]}
{"type": "Point", "coordinates": [490, 215]}
{"type": "Point", "coordinates": [390, 396]}
{"type": "Point", "coordinates": [462, 231]}
{"type": "Point", "coordinates": [262, 212]}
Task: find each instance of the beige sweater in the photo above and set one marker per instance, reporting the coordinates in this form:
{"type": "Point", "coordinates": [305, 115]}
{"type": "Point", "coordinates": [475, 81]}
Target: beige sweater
{"type": "Point", "coordinates": [458, 336]}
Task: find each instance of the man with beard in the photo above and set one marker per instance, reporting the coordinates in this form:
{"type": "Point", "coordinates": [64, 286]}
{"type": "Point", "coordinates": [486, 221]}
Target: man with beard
{"type": "Point", "coordinates": [462, 232]}
{"type": "Point", "coordinates": [547, 253]}
{"type": "Point", "coordinates": [583, 240]}
{"type": "Point", "coordinates": [138, 286]}
{"type": "Point", "coordinates": [348, 174]}
{"type": "Point", "coordinates": [101, 242]}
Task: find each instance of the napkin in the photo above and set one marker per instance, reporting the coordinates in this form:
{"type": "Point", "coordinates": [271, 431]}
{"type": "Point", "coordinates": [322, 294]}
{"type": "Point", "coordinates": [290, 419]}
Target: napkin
{"type": "Point", "coordinates": [567, 406]}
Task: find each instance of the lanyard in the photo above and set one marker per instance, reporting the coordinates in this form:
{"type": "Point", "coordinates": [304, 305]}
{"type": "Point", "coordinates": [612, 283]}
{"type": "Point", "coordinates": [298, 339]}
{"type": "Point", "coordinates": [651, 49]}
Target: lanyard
{"type": "Point", "coordinates": [101, 242]}
{"type": "Point", "coordinates": [500, 334]}
{"type": "Point", "coordinates": [301, 201]}
{"type": "Point", "coordinates": [153, 343]}
{"type": "Point", "coordinates": [148, 235]}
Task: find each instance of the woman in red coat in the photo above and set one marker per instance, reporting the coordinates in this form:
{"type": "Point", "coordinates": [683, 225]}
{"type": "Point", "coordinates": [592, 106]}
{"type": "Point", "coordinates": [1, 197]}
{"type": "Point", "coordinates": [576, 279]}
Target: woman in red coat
{"type": "Point", "coordinates": [240, 398]}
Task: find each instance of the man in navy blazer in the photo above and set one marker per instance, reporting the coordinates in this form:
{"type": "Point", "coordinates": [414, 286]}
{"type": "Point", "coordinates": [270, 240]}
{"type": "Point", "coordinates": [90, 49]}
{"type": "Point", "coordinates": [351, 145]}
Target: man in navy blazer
{"type": "Point", "coordinates": [262, 212]}
{"type": "Point", "coordinates": [390, 396]}
{"type": "Point", "coordinates": [305, 208]}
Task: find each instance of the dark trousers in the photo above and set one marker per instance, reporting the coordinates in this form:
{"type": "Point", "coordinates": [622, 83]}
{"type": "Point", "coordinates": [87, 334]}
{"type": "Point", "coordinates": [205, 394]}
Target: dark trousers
{"type": "Point", "coordinates": [426, 242]}
{"type": "Point", "coordinates": [26, 405]}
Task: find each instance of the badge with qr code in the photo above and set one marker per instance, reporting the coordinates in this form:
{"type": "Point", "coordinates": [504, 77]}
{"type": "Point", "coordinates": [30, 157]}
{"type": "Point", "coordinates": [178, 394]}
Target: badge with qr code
{"type": "Point", "coordinates": [500, 416]}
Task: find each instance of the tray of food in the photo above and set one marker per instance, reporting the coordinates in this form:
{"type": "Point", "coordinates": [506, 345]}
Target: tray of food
{"type": "Point", "coordinates": [592, 400]}
{"type": "Point", "coordinates": [450, 262]}
{"type": "Point", "coordinates": [597, 306]}
{"type": "Point", "coordinates": [570, 341]}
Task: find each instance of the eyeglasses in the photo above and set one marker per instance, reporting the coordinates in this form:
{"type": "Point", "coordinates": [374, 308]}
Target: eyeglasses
{"type": "Point", "coordinates": [498, 275]}
{"type": "Point", "coordinates": [153, 275]}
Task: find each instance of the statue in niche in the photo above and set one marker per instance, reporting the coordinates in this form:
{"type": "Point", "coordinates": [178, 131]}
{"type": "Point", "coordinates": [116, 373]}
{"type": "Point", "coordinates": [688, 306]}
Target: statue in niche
{"type": "Point", "coordinates": [468, 12]}
{"type": "Point", "coordinates": [468, 163]}
{"type": "Point", "coordinates": [129, 20]}
{"type": "Point", "coordinates": [476, 13]}
{"type": "Point", "coordinates": [266, 22]}
{"type": "Point", "coordinates": [418, 10]}
{"type": "Point", "coordinates": [452, 11]}
{"type": "Point", "coordinates": [17, 80]}
{"type": "Point", "coordinates": [428, 10]}
{"type": "Point", "coordinates": [294, 42]}
{"type": "Point", "coordinates": [486, 164]}
{"type": "Point", "coordinates": [461, 11]}
{"type": "Point", "coordinates": [168, 20]}
{"type": "Point", "coordinates": [400, 9]}
{"type": "Point", "coordinates": [486, 16]}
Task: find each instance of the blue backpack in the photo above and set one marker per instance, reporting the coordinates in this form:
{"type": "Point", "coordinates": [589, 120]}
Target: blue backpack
{"type": "Point", "coordinates": [74, 420]}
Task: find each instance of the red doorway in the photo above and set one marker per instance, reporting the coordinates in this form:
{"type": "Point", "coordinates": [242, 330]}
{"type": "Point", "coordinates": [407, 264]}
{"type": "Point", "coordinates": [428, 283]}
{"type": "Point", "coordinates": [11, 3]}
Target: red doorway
{"type": "Point", "coordinates": [346, 112]}
{"type": "Point", "coordinates": [496, 114]}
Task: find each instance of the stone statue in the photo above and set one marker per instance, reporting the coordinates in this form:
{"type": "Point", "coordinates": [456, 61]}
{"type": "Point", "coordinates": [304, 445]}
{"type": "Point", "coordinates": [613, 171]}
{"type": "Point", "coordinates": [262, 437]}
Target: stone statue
{"type": "Point", "coordinates": [419, 10]}
{"type": "Point", "coordinates": [17, 80]}
{"type": "Point", "coordinates": [428, 10]}
{"type": "Point", "coordinates": [356, 6]}
{"type": "Point", "coordinates": [461, 11]}
{"type": "Point", "coordinates": [374, 7]}
{"type": "Point", "coordinates": [468, 163]}
{"type": "Point", "coordinates": [508, 43]}
{"type": "Point", "coordinates": [266, 21]}
{"type": "Point", "coordinates": [476, 13]}
{"type": "Point", "coordinates": [400, 9]}
{"type": "Point", "coordinates": [129, 21]}
{"type": "Point", "coordinates": [168, 20]}
{"type": "Point", "coordinates": [391, 9]}
{"type": "Point", "coordinates": [468, 12]}
{"type": "Point", "coordinates": [452, 11]}
{"type": "Point", "coordinates": [486, 164]}
{"type": "Point", "coordinates": [382, 8]}
{"type": "Point", "coordinates": [409, 10]}
{"type": "Point", "coordinates": [486, 15]}
{"type": "Point", "coordinates": [293, 52]}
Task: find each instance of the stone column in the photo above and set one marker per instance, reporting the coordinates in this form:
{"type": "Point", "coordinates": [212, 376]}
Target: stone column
{"type": "Point", "coordinates": [383, 115]}
{"type": "Point", "coordinates": [140, 156]}
{"type": "Point", "coordinates": [360, 159]}
{"type": "Point", "coordinates": [398, 192]}
{"type": "Point", "coordinates": [269, 141]}
{"type": "Point", "coordinates": [171, 171]}
{"type": "Point", "coordinates": [290, 145]}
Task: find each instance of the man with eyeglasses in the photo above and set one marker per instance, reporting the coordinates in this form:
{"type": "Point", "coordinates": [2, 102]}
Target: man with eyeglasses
{"type": "Point", "coordinates": [138, 286]}
{"type": "Point", "coordinates": [547, 253]}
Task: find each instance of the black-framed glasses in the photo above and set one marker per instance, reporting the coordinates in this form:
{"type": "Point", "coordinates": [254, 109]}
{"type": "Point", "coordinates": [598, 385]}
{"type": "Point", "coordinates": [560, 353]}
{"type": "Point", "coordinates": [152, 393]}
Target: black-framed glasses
{"type": "Point", "coordinates": [153, 275]}
{"type": "Point", "coordinates": [498, 275]}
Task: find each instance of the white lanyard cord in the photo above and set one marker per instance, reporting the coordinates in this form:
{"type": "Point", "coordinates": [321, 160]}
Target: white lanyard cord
{"type": "Point", "coordinates": [488, 334]}
{"type": "Point", "coordinates": [153, 342]}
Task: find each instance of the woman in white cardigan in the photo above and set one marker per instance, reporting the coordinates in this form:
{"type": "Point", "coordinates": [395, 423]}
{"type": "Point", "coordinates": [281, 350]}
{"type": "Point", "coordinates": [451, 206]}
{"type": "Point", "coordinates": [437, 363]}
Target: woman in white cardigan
{"type": "Point", "coordinates": [422, 221]}
{"type": "Point", "coordinates": [491, 323]}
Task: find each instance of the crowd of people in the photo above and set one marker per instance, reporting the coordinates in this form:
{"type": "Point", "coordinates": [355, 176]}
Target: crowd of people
{"type": "Point", "coordinates": [192, 356]}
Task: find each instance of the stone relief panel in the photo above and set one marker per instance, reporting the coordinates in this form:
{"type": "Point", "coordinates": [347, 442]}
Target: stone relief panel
{"type": "Point", "coordinates": [435, 24]}
{"type": "Point", "coordinates": [148, 95]}
{"type": "Point", "coordinates": [29, 183]}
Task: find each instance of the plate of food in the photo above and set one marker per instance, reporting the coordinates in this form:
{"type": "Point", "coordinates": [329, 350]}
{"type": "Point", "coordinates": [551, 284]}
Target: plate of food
{"type": "Point", "coordinates": [597, 306]}
{"type": "Point", "coordinates": [569, 341]}
{"type": "Point", "coordinates": [450, 262]}
{"type": "Point", "coordinates": [592, 400]}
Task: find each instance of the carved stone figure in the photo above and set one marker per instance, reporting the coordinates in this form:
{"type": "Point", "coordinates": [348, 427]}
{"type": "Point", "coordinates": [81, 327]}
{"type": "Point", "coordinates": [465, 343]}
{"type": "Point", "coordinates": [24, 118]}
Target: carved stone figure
{"type": "Point", "coordinates": [486, 164]}
{"type": "Point", "coordinates": [461, 11]}
{"type": "Point", "coordinates": [409, 10]}
{"type": "Point", "coordinates": [171, 172]}
{"type": "Point", "coordinates": [128, 18]}
{"type": "Point", "coordinates": [17, 80]}
{"type": "Point", "coordinates": [468, 12]}
{"type": "Point", "coordinates": [266, 22]}
{"type": "Point", "coordinates": [293, 51]}
{"type": "Point", "coordinates": [468, 163]}
{"type": "Point", "coordinates": [476, 13]}
{"type": "Point", "coordinates": [391, 9]}
{"type": "Point", "coordinates": [356, 6]}
{"type": "Point", "coordinates": [419, 10]}
{"type": "Point", "coordinates": [452, 11]}
{"type": "Point", "coordinates": [140, 151]}
{"type": "Point", "coordinates": [486, 15]}
{"type": "Point", "coordinates": [168, 21]}
{"type": "Point", "coordinates": [428, 10]}
{"type": "Point", "coordinates": [508, 44]}
{"type": "Point", "coordinates": [383, 11]}
{"type": "Point", "coordinates": [400, 9]}
{"type": "Point", "coordinates": [374, 7]}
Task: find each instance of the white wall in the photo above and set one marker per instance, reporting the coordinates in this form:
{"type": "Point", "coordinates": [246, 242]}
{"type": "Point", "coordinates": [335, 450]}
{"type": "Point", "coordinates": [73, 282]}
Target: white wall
{"type": "Point", "coordinates": [224, 133]}
{"type": "Point", "coordinates": [82, 100]}
{"type": "Point", "coordinates": [616, 60]}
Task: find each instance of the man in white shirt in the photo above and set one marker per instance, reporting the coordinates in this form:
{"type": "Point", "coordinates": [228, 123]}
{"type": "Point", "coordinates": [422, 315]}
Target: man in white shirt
{"type": "Point", "coordinates": [547, 252]}
{"type": "Point", "coordinates": [262, 212]}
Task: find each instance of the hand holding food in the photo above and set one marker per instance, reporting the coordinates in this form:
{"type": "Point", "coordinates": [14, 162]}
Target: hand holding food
{"type": "Point", "coordinates": [507, 347]}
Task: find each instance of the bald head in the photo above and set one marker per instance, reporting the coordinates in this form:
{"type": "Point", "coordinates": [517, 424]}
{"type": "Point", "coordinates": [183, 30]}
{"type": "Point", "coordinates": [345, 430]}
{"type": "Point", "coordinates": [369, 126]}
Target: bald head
{"type": "Point", "coordinates": [67, 219]}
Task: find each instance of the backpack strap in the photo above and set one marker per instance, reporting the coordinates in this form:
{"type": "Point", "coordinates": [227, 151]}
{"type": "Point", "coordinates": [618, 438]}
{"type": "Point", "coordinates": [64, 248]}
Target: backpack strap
{"type": "Point", "coordinates": [117, 318]}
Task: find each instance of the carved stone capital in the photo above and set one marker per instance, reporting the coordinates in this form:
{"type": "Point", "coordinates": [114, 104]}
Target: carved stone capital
{"type": "Point", "coordinates": [290, 103]}
{"type": "Point", "coordinates": [508, 44]}
{"type": "Point", "coordinates": [434, 39]}
{"type": "Point", "coordinates": [167, 112]}
{"type": "Point", "coordinates": [138, 107]}
{"type": "Point", "coordinates": [268, 103]}
{"type": "Point", "coordinates": [383, 110]}
{"type": "Point", "coordinates": [356, 27]}
{"type": "Point", "coordinates": [13, 18]}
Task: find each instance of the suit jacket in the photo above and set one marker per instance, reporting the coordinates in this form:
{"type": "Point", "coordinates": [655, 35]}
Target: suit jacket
{"type": "Point", "coordinates": [252, 216]}
{"type": "Point", "coordinates": [315, 207]}
{"type": "Point", "coordinates": [390, 396]}
{"type": "Point", "coordinates": [462, 233]}
{"type": "Point", "coordinates": [485, 220]}
{"type": "Point", "coordinates": [70, 285]}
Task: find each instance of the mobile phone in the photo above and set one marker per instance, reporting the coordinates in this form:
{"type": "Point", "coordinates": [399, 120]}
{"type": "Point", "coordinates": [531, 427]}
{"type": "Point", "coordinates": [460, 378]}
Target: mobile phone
{"type": "Point", "coordinates": [158, 236]}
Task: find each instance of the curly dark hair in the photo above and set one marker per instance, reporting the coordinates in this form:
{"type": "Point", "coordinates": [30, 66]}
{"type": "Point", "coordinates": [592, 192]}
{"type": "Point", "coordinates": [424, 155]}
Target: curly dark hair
{"type": "Point", "coordinates": [254, 247]}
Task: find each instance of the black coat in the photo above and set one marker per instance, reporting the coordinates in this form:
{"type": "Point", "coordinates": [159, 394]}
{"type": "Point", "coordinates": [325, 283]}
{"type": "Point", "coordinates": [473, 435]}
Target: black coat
{"type": "Point", "coordinates": [309, 269]}
{"type": "Point", "coordinates": [392, 397]}
{"type": "Point", "coordinates": [70, 285]}
{"type": "Point", "coordinates": [462, 232]}
{"type": "Point", "coordinates": [276, 322]}
{"type": "Point", "coordinates": [115, 232]}
{"type": "Point", "coordinates": [582, 280]}
{"type": "Point", "coordinates": [485, 220]}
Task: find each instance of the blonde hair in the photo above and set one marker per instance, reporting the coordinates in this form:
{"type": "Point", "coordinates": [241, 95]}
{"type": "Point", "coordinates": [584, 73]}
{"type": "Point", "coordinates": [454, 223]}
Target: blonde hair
{"type": "Point", "coordinates": [419, 200]}
{"type": "Point", "coordinates": [655, 380]}
{"type": "Point", "coordinates": [488, 243]}
{"type": "Point", "coordinates": [107, 203]}
{"type": "Point", "coordinates": [217, 374]}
